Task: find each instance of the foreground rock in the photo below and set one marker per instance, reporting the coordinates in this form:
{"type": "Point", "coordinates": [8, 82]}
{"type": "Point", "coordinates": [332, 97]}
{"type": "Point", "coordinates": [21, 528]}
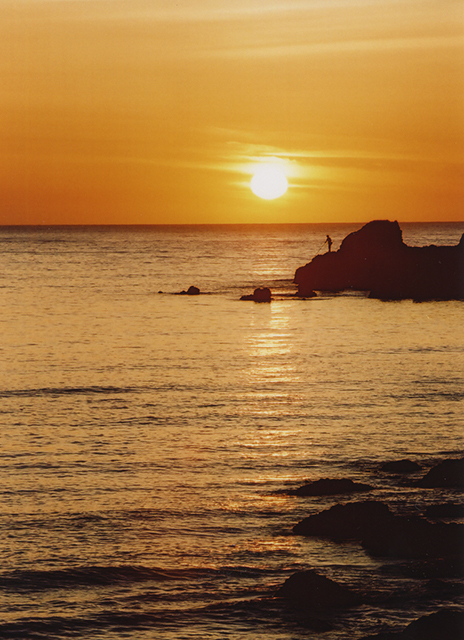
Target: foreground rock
{"type": "Point", "coordinates": [400, 466]}
{"type": "Point", "coordinates": [262, 294]}
{"type": "Point", "coordinates": [353, 520]}
{"type": "Point", "coordinates": [414, 537]}
{"type": "Point", "coordinates": [375, 259]}
{"type": "Point", "coordinates": [384, 534]}
{"type": "Point", "coordinates": [329, 487]}
{"type": "Point", "coordinates": [445, 624]}
{"type": "Point", "coordinates": [449, 473]}
{"type": "Point", "coordinates": [446, 510]}
{"type": "Point", "coordinates": [314, 591]}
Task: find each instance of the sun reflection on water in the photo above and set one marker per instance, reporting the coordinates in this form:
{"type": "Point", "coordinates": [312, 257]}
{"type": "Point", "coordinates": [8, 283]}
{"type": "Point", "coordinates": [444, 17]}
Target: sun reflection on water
{"type": "Point", "coordinates": [268, 348]}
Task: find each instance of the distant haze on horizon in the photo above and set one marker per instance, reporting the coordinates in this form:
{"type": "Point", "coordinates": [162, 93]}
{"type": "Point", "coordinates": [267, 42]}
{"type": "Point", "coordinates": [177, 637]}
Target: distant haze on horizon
{"type": "Point", "coordinates": [158, 112]}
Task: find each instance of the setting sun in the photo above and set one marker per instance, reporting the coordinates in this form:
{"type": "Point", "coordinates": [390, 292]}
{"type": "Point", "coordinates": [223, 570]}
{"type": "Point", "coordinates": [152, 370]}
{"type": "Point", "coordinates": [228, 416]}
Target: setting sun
{"type": "Point", "coordinates": [269, 182]}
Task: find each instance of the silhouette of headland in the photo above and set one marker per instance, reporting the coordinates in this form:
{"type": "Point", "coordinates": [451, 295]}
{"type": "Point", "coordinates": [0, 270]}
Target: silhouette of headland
{"type": "Point", "coordinates": [375, 259]}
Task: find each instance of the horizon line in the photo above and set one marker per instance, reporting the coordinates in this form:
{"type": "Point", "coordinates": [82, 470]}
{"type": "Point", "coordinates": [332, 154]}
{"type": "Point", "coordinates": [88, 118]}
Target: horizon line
{"type": "Point", "coordinates": [222, 224]}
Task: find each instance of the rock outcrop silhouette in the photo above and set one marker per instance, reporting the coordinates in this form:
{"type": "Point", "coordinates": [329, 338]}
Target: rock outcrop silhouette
{"type": "Point", "coordinates": [375, 259]}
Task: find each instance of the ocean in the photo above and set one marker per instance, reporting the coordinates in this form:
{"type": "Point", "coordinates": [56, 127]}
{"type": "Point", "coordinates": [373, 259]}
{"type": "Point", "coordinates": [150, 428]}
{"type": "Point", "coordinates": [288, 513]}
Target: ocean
{"type": "Point", "coordinates": [149, 440]}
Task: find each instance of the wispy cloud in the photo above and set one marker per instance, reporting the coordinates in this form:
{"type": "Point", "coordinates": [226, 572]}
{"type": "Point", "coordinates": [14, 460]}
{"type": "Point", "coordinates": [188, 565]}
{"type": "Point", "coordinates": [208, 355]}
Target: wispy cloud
{"type": "Point", "coordinates": [243, 152]}
{"type": "Point", "coordinates": [339, 47]}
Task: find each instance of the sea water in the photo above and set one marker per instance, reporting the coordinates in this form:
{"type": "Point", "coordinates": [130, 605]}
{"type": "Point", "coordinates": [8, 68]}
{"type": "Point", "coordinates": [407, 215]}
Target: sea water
{"type": "Point", "coordinates": [149, 439]}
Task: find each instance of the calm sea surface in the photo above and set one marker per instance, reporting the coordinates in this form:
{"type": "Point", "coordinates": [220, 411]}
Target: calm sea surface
{"type": "Point", "coordinates": [147, 439]}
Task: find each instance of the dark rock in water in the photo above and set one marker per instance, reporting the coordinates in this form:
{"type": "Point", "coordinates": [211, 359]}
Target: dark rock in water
{"type": "Point", "coordinates": [313, 591]}
{"type": "Point", "coordinates": [345, 521]}
{"type": "Point", "coordinates": [328, 487]}
{"type": "Point", "coordinates": [414, 538]}
{"type": "Point", "coordinates": [449, 473]}
{"type": "Point", "coordinates": [262, 294]}
{"type": "Point", "coordinates": [401, 466]}
{"type": "Point", "coordinates": [446, 510]}
{"type": "Point", "coordinates": [191, 291]}
{"type": "Point", "coordinates": [445, 624]}
{"type": "Point", "coordinates": [384, 534]}
{"type": "Point", "coordinates": [375, 259]}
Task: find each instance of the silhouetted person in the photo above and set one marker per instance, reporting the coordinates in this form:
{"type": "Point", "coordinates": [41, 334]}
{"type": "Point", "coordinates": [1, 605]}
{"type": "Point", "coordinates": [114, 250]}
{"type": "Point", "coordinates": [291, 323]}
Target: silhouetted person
{"type": "Point", "coordinates": [329, 243]}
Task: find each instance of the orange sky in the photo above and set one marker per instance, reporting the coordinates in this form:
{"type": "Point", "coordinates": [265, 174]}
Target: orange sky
{"type": "Point", "coordinates": [157, 111]}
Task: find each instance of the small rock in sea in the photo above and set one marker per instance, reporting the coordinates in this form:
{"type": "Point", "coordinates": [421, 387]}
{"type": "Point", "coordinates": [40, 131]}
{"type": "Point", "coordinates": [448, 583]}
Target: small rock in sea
{"type": "Point", "coordinates": [314, 591]}
{"type": "Point", "coordinates": [400, 466]}
{"type": "Point", "coordinates": [448, 473]}
{"type": "Point", "coordinates": [446, 510]}
{"type": "Point", "coordinates": [330, 487]}
{"type": "Point", "coordinates": [442, 624]}
{"type": "Point", "coordinates": [191, 291]}
{"type": "Point", "coordinates": [262, 294]}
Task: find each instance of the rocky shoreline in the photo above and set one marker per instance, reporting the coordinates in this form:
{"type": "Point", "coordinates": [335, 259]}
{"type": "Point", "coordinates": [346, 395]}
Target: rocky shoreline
{"type": "Point", "coordinates": [431, 545]}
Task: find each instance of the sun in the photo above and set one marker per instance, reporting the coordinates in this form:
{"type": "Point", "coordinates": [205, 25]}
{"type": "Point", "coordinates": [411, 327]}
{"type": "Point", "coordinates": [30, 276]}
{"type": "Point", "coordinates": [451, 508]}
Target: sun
{"type": "Point", "coordinates": [269, 182]}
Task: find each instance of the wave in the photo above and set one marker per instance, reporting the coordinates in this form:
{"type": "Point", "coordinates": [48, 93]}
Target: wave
{"type": "Point", "coordinates": [67, 626]}
{"type": "Point", "coordinates": [91, 576]}
{"type": "Point", "coordinates": [242, 612]}
{"type": "Point", "coordinates": [40, 580]}
{"type": "Point", "coordinates": [239, 614]}
{"type": "Point", "coordinates": [116, 623]}
{"type": "Point", "coordinates": [92, 390]}
{"type": "Point", "coordinates": [64, 391]}
{"type": "Point", "coordinates": [455, 396]}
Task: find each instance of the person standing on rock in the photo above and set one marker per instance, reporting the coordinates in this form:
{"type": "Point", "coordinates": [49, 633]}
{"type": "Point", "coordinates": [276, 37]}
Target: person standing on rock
{"type": "Point", "coordinates": [329, 242]}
